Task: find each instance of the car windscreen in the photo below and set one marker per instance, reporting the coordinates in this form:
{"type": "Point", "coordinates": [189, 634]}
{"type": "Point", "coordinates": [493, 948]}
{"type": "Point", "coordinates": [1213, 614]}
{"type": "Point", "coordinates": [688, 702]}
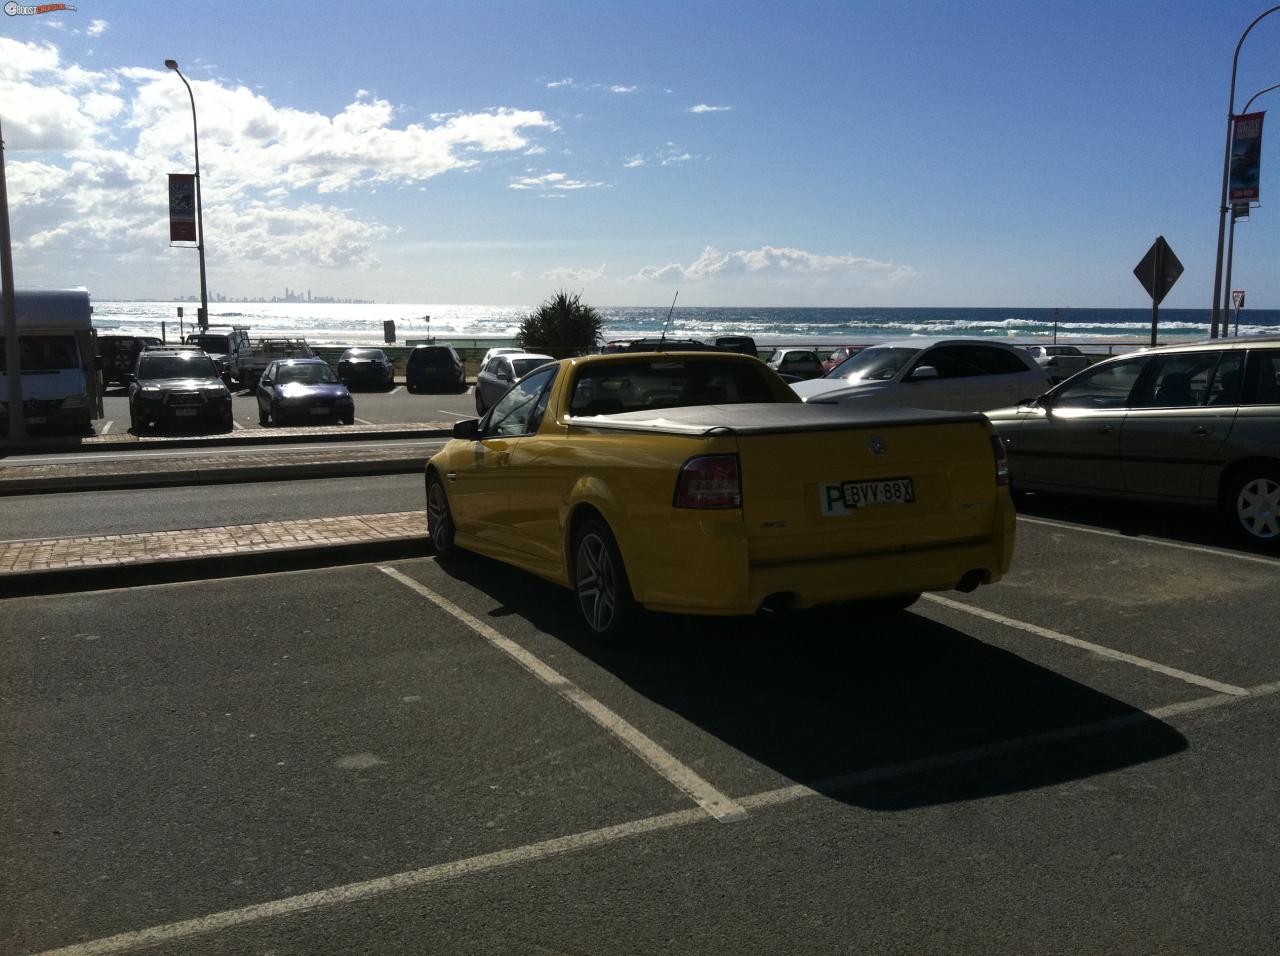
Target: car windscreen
{"type": "Point", "coordinates": [211, 343]}
{"type": "Point", "coordinates": [304, 375]}
{"type": "Point", "coordinates": [526, 365]}
{"type": "Point", "coordinates": [877, 364]}
{"type": "Point", "coordinates": [176, 366]}
{"type": "Point", "coordinates": [43, 353]}
{"type": "Point", "coordinates": [607, 388]}
{"type": "Point", "coordinates": [432, 358]}
{"type": "Point", "coordinates": [364, 355]}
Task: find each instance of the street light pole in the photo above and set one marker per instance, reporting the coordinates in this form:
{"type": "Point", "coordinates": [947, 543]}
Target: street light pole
{"type": "Point", "coordinates": [1226, 172]}
{"type": "Point", "coordinates": [1231, 234]}
{"type": "Point", "coordinates": [202, 317]}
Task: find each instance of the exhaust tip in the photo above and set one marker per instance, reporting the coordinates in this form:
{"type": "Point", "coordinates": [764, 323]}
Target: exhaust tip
{"type": "Point", "coordinates": [973, 579]}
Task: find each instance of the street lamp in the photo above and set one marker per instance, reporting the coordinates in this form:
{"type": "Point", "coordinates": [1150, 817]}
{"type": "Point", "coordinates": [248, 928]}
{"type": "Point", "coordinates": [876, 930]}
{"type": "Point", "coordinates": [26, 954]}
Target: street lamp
{"type": "Point", "coordinates": [1231, 236]}
{"type": "Point", "coordinates": [1226, 171]}
{"type": "Point", "coordinates": [202, 317]}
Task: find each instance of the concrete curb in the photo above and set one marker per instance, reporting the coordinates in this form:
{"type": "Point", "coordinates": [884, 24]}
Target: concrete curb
{"type": "Point", "coordinates": [272, 559]}
{"type": "Point", "coordinates": [213, 476]}
{"type": "Point", "coordinates": [263, 436]}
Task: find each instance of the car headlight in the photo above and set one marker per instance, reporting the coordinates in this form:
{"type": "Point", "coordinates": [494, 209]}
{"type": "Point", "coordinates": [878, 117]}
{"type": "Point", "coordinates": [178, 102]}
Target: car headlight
{"type": "Point", "coordinates": [151, 391]}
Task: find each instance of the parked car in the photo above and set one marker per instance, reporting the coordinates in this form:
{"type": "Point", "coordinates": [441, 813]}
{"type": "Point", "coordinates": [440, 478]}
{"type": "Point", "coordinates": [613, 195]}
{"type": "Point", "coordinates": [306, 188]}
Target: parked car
{"type": "Point", "coordinates": [178, 385]}
{"type": "Point", "coordinates": [224, 344]}
{"type": "Point", "coordinates": [302, 390]}
{"type": "Point", "coordinates": [500, 372]}
{"type": "Point", "coordinates": [959, 374]}
{"type": "Point", "coordinates": [504, 350]}
{"type": "Point", "coordinates": [839, 354]}
{"type": "Point", "coordinates": [803, 363]}
{"type": "Point", "coordinates": [738, 343]}
{"type": "Point", "coordinates": [119, 354]}
{"type": "Point", "coordinates": [1059, 361]}
{"type": "Point", "coordinates": [56, 361]}
{"type": "Point", "coordinates": [435, 368]}
{"type": "Point", "coordinates": [736, 497]}
{"type": "Point", "coordinates": [369, 367]}
{"type": "Point", "coordinates": [1191, 424]}
{"type": "Point", "coordinates": [253, 361]}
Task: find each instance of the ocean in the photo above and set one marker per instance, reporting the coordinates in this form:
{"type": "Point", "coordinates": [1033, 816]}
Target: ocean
{"type": "Point", "coordinates": [491, 324]}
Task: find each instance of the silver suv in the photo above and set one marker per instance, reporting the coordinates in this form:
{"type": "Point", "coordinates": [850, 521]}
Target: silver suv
{"type": "Point", "coordinates": [1187, 424]}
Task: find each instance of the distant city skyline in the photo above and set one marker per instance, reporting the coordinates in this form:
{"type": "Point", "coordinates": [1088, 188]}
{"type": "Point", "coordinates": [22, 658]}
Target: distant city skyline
{"type": "Point", "coordinates": [859, 154]}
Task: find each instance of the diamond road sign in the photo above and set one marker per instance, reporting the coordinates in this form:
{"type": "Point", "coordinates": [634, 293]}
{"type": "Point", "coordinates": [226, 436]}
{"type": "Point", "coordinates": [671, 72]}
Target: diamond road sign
{"type": "Point", "coordinates": [1158, 270]}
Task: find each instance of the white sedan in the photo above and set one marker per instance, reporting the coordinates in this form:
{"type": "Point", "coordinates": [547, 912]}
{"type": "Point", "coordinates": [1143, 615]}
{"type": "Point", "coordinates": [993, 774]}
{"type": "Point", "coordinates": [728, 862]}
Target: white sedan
{"type": "Point", "coordinates": [955, 374]}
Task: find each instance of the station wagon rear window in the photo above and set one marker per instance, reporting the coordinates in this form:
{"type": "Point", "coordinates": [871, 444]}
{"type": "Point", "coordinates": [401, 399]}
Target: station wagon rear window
{"type": "Point", "coordinates": [611, 387]}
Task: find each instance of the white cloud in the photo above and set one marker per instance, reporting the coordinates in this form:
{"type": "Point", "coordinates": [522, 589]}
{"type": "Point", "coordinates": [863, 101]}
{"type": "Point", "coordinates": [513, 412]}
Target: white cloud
{"type": "Point", "coordinates": [97, 27]}
{"type": "Point", "coordinates": [622, 89]}
{"type": "Point", "coordinates": [518, 274]}
{"type": "Point", "coordinates": [634, 161]}
{"type": "Point", "coordinates": [556, 84]}
{"type": "Point", "coordinates": [772, 262]}
{"type": "Point", "coordinates": [567, 275]}
{"type": "Point", "coordinates": [89, 152]}
{"type": "Point", "coordinates": [548, 181]}
{"type": "Point", "coordinates": [680, 158]}
{"type": "Point", "coordinates": [706, 108]}
{"type": "Point", "coordinates": [535, 151]}
{"type": "Point", "coordinates": [669, 155]}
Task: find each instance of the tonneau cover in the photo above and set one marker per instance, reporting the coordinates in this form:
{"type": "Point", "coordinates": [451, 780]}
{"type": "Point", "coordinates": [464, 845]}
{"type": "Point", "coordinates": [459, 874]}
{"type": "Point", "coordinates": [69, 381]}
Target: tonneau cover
{"type": "Point", "coordinates": [766, 418]}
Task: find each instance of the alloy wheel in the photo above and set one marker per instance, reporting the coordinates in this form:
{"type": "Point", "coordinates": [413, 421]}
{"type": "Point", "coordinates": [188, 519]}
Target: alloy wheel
{"type": "Point", "coordinates": [1258, 508]}
{"type": "Point", "coordinates": [439, 518]}
{"type": "Point", "coordinates": [597, 582]}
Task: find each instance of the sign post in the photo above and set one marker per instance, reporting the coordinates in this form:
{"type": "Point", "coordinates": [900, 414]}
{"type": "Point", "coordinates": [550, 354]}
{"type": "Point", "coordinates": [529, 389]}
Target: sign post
{"type": "Point", "coordinates": [1158, 271]}
{"type": "Point", "coordinates": [1237, 297]}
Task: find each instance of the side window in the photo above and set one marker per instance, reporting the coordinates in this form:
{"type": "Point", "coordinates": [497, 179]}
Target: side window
{"type": "Point", "coordinates": [996, 361]}
{"type": "Point", "coordinates": [1180, 380]}
{"type": "Point", "coordinates": [1263, 384]}
{"type": "Point", "coordinates": [492, 366]}
{"type": "Point", "coordinates": [517, 412]}
{"type": "Point", "coordinates": [1104, 386]}
{"type": "Point", "coordinates": [951, 361]}
{"type": "Point", "coordinates": [1228, 377]}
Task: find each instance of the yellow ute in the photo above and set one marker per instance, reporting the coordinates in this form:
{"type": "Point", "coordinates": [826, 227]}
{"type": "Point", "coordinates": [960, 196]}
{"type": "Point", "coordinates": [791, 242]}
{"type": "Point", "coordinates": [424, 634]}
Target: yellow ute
{"type": "Point", "coordinates": [698, 483]}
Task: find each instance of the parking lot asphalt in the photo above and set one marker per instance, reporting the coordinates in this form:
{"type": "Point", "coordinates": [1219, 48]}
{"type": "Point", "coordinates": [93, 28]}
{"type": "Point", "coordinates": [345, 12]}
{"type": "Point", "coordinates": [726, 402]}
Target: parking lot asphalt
{"type": "Point", "coordinates": [429, 756]}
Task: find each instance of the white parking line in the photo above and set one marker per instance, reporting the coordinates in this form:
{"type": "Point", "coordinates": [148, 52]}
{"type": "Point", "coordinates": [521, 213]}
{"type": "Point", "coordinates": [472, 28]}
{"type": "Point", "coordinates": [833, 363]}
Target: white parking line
{"type": "Point", "coordinates": [237, 425]}
{"type": "Point", "coordinates": [394, 390]}
{"type": "Point", "coordinates": [106, 428]}
{"type": "Point", "coordinates": [650, 751]}
{"type": "Point", "coordinates": [362, 421]}
{"type": "Point", "coordinates": [1219, 552]}
{"type": "Point", "coordinates": [1190, 678]}
{"type": "Point", "coordinates": [356, 892]}
{"type": "Point", "coordinates": [461, 418]}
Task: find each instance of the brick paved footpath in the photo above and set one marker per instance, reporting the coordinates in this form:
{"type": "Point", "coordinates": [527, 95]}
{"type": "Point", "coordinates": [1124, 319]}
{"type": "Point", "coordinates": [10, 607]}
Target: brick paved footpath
{"type": "Point", "coordinates": [198, 469]}
{"type": "Point", "coordinates": [119, 550]}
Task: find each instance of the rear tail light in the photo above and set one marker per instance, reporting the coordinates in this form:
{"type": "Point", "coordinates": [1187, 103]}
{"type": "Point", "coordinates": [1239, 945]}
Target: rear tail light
{"type": "Point", "coordinates": [1002, 460]}
{"type": "Point", "coordinates": [710, 481]}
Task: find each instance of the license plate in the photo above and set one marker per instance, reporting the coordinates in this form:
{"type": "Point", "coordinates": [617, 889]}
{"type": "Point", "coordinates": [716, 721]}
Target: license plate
{"type": "Point", "coordinates": [186, 412]}
{"type": "Point", "coordinates": [845, 497]}
{"type": "Point", "coordinates": [319, 411]}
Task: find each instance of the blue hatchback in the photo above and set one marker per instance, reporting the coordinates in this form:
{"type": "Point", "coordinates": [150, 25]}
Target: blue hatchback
{"type": "Point", "coordinates": [302, 390]}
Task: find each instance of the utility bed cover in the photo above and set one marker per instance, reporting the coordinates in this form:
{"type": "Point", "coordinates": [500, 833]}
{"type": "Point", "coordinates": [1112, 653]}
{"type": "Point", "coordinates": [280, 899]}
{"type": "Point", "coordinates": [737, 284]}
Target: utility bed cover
{"type": "Point", "coordinates": [768, 418]}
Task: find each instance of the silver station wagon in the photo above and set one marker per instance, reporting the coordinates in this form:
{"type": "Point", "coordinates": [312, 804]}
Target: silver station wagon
{"type": "Point", "coordinates": [1190, 424]}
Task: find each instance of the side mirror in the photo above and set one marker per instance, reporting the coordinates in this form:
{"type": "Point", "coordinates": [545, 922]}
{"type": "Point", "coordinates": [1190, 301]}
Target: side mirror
{"type": "Point", "coordinates": [468, 429]}
{"type": "Point", "coordinates": [502, 375]}
{"type": "Point", "coordinates": [923, 373]}
{"type": "Point", "coordinates": [264, 383]}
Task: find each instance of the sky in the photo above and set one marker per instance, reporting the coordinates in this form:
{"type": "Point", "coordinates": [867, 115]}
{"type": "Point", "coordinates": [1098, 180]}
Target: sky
{"type": "Point", "coordinates": [843, 154]}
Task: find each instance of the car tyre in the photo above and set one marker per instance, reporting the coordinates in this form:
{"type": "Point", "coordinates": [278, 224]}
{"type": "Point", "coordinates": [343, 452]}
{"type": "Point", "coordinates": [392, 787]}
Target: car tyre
{"type": "Point", "coordinates": [348, 419]}
{"type": "Point", "coordinates": [600, 584]}
{"type": "Point", "coordinates": [1252, 507]}
{"type": "Point", "coordinates": [440, 524]}
{"type": "Point", "coordinates": [262, 417]}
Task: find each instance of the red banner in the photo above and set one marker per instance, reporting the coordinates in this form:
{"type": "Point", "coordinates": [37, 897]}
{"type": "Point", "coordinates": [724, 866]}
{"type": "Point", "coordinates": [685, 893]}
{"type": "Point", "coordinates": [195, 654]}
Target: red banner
{"type": "Point", "coordinates": [182, 207]}
{"type": "Point", "coordinates": [1246, 157]}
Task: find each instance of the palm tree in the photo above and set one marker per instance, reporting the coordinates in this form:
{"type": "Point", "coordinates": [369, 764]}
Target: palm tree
{"type": "Point", "coordinates": [562, 326]}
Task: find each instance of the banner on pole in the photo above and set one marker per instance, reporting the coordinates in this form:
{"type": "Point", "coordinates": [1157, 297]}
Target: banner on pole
{"type": "Point", "coordinates": [1246, 157]}
{"type": "Point", "coordinates": [182, 207]}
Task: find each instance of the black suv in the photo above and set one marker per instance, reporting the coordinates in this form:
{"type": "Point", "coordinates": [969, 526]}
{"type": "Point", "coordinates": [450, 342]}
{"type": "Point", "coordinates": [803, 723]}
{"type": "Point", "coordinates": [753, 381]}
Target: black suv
{"type": "Point", "coordinates": [178, 385]}
{"type": "Point", "coordinates": [434, 367]}
{"type": "Point", "coordinates": [119, 354]}
{"type": "Point", "coordinates": [366, 367]}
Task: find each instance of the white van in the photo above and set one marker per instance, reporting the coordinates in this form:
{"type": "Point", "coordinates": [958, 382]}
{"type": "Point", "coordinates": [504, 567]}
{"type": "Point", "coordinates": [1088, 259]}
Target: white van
{"type": "Point", "coordinates": [58, 358]}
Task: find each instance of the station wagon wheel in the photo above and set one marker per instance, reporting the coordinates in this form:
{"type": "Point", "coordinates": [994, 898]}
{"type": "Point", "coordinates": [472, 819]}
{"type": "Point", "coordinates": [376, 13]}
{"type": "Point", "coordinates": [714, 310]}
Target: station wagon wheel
{"type": "Point", "coordinates": [600, 583]}
{"type": "Point", "coordinates": [1254, 506]}
{"type": "Point", "coordinates": [440, 518]}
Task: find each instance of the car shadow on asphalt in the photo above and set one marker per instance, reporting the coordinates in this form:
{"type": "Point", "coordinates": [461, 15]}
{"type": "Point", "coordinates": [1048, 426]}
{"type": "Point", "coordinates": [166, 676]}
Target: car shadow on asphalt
{"type": "Point", "coordinates": [825, 694]}
{"type": "Point", "coordinates": [1200, 526]}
